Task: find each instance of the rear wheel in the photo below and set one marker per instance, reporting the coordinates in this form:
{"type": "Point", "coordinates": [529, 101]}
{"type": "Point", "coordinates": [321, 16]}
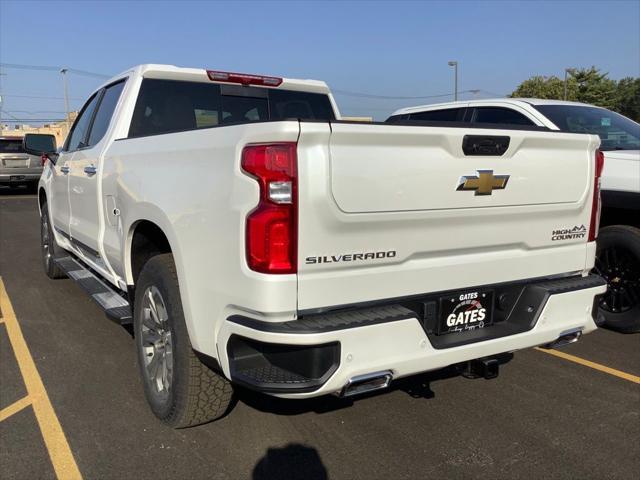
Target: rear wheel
{"type": "Point", "coordinates": [618, 262]}
{"type": "Point", "coordinates": [179, 388]}
{"type": "Point", "coordinates": [49, 251]}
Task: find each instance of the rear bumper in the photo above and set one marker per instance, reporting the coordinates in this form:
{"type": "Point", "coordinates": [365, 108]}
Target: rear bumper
{"type": "Point", "coordinates": [319, 354]}
{"type": "Point", "coordinates": [11, 178]}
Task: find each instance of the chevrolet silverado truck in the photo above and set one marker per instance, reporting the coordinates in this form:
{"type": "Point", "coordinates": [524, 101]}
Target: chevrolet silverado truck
{"type": "Point", "coordinates": [252, 238]}
{"type": "Point", "coordinates": [618, 251]}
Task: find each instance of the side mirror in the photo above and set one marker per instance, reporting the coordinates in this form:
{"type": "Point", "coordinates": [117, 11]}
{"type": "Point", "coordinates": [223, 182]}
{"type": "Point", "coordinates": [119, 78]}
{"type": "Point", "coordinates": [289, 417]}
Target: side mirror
{"type": "Point", "coordinates": [40, 144]}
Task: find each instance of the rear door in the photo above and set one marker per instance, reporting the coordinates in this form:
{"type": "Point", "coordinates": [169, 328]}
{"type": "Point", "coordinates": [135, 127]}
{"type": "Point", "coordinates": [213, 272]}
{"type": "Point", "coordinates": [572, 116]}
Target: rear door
{"type": "Point", "coordinates": [83, 179]}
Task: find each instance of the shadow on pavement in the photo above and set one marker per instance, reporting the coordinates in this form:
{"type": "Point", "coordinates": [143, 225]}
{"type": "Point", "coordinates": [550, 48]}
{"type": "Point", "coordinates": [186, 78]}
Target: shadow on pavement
{"type": "Point", "coordinates": [295, 461]}
{"type": "Point", "coordinates": [19, 190]}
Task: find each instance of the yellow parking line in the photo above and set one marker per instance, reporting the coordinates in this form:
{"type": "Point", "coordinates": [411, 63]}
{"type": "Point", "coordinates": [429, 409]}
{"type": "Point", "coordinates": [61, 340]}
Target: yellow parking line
{"type": "Point", "coordinates": [15, 407]}
{"type": "Point", "coordinates": [61, 457]}
{"type": "Point", "coordinates": [594, 365]}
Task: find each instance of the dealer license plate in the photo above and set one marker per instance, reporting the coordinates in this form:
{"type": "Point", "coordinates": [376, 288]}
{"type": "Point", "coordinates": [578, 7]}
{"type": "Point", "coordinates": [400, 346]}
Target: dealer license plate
{"type": "Point", "coordinates": [465, 310]}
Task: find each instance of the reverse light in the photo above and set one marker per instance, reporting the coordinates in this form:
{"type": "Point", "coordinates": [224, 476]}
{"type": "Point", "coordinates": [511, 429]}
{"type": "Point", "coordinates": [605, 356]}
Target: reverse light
{"type": "Point", "coordinates": [272, 227]}
{"type": "Point", "coordinates": [596, 204]}
{"type": "Point", "coordinates": [243, 78]}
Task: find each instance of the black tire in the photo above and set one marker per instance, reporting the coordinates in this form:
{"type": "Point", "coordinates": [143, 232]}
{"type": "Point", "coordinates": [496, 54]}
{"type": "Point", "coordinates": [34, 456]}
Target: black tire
{"type": "Point", "coordinates": [191, 393]}
{"type": "Point", "coordinates": [49, 250]}
{"type": "Point", "coordinates": [618, 261]}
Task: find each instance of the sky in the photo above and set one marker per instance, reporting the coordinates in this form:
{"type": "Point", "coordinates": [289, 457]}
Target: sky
{"type": "Point", "coordinates": [381, 48]}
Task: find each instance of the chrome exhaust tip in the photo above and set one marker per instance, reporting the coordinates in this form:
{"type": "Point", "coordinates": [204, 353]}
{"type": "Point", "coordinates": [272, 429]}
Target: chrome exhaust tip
{"type": "Point", "coordinates": [565, 338]}
{"type": "Point", "coordinates": [367, 383]}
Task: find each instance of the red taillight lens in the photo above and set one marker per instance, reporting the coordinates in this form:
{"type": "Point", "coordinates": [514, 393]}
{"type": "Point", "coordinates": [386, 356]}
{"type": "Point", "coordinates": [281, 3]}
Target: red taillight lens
{"type": "Point", "coordinates": [243, 78]}
{"type": "Point", "coordinates": [43, 160]}
{"type": "Point", "coordinates": [596, 204]}
{"type": "Point", "coordinates": [272, 227]}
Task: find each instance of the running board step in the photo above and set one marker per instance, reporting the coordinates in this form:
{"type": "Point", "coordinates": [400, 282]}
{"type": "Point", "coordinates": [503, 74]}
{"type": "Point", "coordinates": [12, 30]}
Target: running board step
{"type": "Point", "coordinates": [114, 305]}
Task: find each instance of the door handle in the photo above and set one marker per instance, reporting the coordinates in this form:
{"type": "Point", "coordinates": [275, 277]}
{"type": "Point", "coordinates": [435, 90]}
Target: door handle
{"type": "Point", "coordinates": [90, 170]}
{"type": "Point", "coordinates": [487, 145]}
{"type": "Point", "coordinates": [64, 169]}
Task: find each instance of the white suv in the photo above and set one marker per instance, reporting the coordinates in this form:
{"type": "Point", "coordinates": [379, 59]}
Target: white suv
{"type": "Point", "coordinates": [618, 259]}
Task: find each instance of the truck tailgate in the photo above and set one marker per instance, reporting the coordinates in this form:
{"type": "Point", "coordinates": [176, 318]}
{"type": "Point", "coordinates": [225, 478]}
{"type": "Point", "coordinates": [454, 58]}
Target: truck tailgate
{"type": "Point", "coordinates": [380, 169]}
{"type": "Point", "coordinates": [382, 213]}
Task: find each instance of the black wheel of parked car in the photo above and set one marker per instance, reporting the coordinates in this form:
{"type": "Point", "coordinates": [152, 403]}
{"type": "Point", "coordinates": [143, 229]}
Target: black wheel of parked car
{"type": "Point", "coordinates": [48, 248]}
{"type": "Point", "coordinates": [180, 389]}
{"type": "Point", "coordinates": [618, 261]}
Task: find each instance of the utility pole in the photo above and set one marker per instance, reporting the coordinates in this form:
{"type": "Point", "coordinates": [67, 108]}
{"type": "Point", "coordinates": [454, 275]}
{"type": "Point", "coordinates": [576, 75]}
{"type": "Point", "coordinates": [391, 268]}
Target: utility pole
{"type": "Point", "coordinates": [566, 73]}
{"type": "Point", "coordinates": [66, 98]}
{"type": "Point", "coordinates": [454, 64]}
{"type": "Point", "coordinates": [1, 74]}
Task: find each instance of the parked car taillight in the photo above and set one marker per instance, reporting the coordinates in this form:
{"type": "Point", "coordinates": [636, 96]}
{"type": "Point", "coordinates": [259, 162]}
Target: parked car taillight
{"type": "Point", "coordinates": [272, 227]}
{"type": "Point", "coordinates": [596, 203]}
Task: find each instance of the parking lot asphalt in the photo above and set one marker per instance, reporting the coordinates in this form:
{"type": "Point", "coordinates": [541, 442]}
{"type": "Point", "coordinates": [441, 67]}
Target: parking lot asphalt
{"type": "Point", "coordinates": [543, 417]}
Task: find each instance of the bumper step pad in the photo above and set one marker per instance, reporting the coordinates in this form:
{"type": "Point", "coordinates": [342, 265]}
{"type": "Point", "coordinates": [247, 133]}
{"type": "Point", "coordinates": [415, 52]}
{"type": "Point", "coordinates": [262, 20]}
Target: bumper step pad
{"type": "Point", "coordinates": [114, 305]}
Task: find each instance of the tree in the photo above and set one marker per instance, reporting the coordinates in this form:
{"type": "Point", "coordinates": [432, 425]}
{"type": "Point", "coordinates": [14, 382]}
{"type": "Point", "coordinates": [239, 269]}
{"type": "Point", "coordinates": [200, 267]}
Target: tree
{"type": "Point", "coordinates": [628, 98]}
{"type": "Point", "coordinates": [587, 85]}
{"type": "Point", "coordinates": [545, 87]}
{"type": "Point", "coordinates": [594, 87]}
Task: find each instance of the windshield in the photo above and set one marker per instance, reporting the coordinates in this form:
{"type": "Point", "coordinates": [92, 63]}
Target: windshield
{"type": "Point", "coordinates": [11, 146]}
{"type": "Point", "coordinates": [616, 132]}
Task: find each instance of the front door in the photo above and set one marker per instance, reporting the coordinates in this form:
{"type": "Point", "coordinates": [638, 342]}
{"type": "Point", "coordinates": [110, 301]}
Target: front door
{"type": "Point", "coordinates": [60, 207]}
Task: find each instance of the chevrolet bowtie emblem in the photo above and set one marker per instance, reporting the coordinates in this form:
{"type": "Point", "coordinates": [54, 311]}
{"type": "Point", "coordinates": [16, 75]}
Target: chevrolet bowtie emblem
{"type": "Point", "coordinates": [484, 183]}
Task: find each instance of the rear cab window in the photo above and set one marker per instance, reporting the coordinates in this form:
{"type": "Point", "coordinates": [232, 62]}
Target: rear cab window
{"type": "Point", "coordinates": [165, 106]}
{"type": "Point", "coordinates": [445, 115]}
{"type": "Point", "coordinates": [11, 146]}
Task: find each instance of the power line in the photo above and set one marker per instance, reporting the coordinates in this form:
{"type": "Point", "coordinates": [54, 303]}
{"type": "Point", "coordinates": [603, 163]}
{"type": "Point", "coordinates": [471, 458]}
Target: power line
{"type": "Point", "coordinates": [390, 97]}
{"type": "Point", "coordinates": [41, 97]}
{"type": "Point", "coordinates": [24, 120]}
{"type": "Point", "coordinates": [53, 69]}
{"type": "Point", "coordinates": [36, 112]}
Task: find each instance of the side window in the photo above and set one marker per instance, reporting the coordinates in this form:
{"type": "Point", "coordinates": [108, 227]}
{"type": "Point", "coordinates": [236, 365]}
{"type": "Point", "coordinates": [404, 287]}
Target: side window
{"type": "Point", "coordinates": [499, 115]}
{"type": "Point", "coordinates": [79, 130]}
{"type": "Point", "coordinates": [105, 112]}
{"type": "Point", "coordinates": [448, 115]}
{"type": "Point", "coordinates": [165, 106]}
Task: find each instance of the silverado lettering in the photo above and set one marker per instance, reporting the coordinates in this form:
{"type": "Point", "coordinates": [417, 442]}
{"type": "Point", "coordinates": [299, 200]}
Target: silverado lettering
{"type": "Point", "coordinates": [350, 257]}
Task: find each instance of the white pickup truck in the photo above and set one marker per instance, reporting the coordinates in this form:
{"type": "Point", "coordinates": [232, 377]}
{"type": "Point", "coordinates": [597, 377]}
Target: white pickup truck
{"type": "Point", "coordinates": [253, 238]}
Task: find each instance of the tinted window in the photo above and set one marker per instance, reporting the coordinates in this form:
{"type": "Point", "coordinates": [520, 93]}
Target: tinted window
{"type": "Point", "coordinates": [396, 118]}
{"type": "Point", "coordinates": [504, 116]}
{"type": "Point", "coordinates": [285, 104]}
{"type": "Point", "coordinates": [165, 106]}
{"type": "Point", "coordinates": [616, 131]}
{"type": "Point", "coordinates": [448, 115]}
{"type": "Point", "coordinates": [105, 112]}
{"type": "Point", "coordinates": [79, 130]}
{"type": "Point", "coordinates": [11, 146]}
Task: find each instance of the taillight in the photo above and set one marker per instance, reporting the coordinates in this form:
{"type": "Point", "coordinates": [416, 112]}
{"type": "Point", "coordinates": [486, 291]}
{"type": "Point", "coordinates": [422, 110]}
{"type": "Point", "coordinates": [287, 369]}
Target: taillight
{"type": "Point", "coordinates": [272, 227]}
{"type": "Point", "coordinates": [243, 78]}
{"type": "Point", "coordinates": [43, 159]}
{"type": "Point", "coordinates": [596, 203]}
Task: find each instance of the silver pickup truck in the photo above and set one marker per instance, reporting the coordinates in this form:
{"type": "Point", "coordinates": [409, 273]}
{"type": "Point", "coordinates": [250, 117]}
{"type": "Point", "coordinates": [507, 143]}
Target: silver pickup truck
{"type": "Point", "coordinates": [18, 167]}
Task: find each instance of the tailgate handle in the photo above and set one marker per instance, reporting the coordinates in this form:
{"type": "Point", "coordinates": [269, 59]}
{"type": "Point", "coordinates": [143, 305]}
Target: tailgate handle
{"type": "Point", "coordinates": [488, 145]}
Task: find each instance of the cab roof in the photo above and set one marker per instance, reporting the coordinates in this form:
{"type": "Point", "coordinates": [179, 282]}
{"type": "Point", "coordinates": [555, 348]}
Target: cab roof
{"type": "Point", "coordinates": [172, 72]}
